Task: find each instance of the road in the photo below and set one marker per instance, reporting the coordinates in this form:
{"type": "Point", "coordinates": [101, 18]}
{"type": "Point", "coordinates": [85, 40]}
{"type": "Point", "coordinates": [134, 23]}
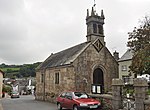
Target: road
{"type": "Point", "coordinates": [26, 102]}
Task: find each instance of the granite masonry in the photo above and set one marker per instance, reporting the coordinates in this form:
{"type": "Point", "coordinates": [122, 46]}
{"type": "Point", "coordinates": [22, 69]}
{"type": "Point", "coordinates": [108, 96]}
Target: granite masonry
{"type": "Point", "coordinates": [79, 67]}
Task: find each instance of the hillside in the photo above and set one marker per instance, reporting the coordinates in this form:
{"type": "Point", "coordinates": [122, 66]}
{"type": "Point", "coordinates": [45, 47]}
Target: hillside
{"type": "Point", "coordinates": [19, 71]}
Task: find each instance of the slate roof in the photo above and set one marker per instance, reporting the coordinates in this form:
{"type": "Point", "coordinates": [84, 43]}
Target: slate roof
{"type": "Point", "coordinates": [127, 56]}
{"type": "Point", "coordinates": [64, 57]}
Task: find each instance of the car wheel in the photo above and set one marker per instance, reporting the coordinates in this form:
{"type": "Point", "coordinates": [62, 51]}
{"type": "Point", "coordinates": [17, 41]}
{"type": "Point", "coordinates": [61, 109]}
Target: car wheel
{"type": "Point", "coordinates": [75, 107]}
{"type": "Point", "coordinates": [59, 106]}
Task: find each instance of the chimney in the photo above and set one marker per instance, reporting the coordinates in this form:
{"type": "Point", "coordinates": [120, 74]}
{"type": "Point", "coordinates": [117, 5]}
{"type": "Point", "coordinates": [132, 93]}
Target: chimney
{"type": "Point", "coordinates": [116, 55]}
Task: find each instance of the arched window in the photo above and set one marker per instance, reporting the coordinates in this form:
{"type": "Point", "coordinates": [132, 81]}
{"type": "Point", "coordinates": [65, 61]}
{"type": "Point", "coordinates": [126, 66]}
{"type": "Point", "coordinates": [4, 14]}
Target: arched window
{"type": "Point", "coordinates": [100, 29]}
{"type": "Point", "coordinates": [94, 28]}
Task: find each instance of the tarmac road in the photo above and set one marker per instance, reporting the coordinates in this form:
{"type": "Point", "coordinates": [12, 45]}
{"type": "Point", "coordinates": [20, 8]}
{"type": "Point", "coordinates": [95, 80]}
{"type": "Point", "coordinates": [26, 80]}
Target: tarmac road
{"type": "Point", "coordinates": [26, 102]}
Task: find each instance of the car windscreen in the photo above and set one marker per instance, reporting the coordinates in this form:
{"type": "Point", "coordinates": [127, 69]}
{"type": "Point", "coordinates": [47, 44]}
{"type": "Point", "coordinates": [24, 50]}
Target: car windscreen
{"type": "Point", "coordinates": [80, 95]}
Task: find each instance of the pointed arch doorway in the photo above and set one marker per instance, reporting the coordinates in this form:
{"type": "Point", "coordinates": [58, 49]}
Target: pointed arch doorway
{"type": "Point", "coordinates": [98, 80]}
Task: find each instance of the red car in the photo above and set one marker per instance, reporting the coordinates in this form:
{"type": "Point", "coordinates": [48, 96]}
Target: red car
{"type": "Point", "coordinates": [77, 101]}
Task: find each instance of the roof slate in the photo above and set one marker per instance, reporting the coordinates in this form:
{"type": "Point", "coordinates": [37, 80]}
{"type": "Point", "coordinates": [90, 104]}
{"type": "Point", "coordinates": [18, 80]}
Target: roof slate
{"type": "Point", "coordinates": [64, 57]}
{"type": "Point", "coordinates": [127, 56]}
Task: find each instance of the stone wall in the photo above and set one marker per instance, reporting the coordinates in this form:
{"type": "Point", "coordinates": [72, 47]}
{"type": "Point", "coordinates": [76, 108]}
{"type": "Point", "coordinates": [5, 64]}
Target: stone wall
{"type": "Point", "coordinates": [147, 104]}
{"type": "Point", "coordinates": [39, 86]}
{"type": "Point", "coordinates": [105, 99]}
{"type": "Point", "coordinates": [140, 94]}
{"type": "Point", "coordinates": [88, 61]}
{"type": "Point", "coordinates": [1, 83]}
{"type": "Point", "coordinates": [52, 90]}
{"type": "Point", "coordinates": [78, 75]}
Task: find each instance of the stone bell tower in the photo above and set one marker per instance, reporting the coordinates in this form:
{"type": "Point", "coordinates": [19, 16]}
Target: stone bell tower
{"type": "Point", "coordinates": [94, 24]}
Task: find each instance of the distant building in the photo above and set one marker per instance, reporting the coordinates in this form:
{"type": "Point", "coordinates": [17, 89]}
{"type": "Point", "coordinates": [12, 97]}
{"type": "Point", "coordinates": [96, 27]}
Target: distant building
{"type": "Point", "coordinates": [87, 67]}
{"type": "Point", "coordinates": [21, 85]}
{"type": "Point", "coordinates": [124, 70]}
{"type": "Point", "coordinates": [24, 85]}
{"type": "Point", "coordinates": [1, 82]}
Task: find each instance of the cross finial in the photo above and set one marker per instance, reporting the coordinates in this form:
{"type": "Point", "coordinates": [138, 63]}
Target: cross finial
{"type": "Point", "coordinates": [94, 7]}
{"type": "Point", "coordinates": [94, 4]}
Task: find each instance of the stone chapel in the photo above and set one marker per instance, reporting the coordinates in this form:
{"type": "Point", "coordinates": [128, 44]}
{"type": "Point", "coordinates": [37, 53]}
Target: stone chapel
{"type": "Point", "coordinates": [87, 67]}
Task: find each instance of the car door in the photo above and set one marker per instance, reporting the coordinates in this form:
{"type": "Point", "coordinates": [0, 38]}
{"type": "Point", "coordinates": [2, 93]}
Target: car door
{"type": "Point", "coordinates": [68, 101]}
{"type": "Point", "coordinates": [62, 99]}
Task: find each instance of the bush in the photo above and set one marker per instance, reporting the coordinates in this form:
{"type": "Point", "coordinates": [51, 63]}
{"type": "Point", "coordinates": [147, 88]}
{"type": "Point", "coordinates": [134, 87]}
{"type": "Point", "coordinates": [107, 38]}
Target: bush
{"type": "Point", "coordinates": [148, 92]}
{"type": "Point", "coordinates": [105, 103]}
{"type": "Point", "coordinates": [7, 89]}
{"type": "Point", "coordinates": [129, 89]}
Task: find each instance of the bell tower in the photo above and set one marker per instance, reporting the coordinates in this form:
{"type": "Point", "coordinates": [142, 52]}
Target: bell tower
{"type": "Point", "coordinates": [95, 24]}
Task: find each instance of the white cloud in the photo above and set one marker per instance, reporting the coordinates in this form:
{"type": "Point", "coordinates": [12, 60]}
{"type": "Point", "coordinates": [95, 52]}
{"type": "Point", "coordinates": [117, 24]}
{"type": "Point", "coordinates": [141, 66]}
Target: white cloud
{"type": "Point", "coordinates": [32, 29]}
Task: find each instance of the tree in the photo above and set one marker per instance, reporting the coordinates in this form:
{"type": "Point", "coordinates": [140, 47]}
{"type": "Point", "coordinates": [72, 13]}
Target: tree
{"type": "Point", "coordinates": [28, 70]}
{"type": "Point", "coordinates": [139, 43]}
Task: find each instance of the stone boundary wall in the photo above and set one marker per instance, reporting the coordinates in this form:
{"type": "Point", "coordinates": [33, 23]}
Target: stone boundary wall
{"type": "Point", "coordinates": [114, 100]}
{"type": "Point", "coordinates": [142, 101]}
{"type": "Point", "coordinates": [105, 99]}
{"type": "Point", "coordinates": [147, 104]}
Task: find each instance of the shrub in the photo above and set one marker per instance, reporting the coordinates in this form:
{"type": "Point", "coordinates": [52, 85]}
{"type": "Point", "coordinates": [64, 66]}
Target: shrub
{"type": "Point", "coordinates": [7, 89]}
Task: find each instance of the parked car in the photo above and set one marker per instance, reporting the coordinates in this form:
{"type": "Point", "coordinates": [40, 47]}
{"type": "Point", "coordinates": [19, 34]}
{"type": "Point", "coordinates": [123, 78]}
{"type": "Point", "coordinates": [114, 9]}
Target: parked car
{"type": "Point", "coordinates": [15, 94]}
{"type": "Point", "coordinates": [77, 101]}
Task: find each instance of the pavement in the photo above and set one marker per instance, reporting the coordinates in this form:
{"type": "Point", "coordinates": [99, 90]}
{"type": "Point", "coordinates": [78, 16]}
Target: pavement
{"type": "Point", "coordinates": [1, 108]}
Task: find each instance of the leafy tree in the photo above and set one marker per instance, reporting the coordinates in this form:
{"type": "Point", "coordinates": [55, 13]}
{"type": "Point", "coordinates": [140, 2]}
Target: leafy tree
{"type": "Point", "coordinates": [17, 71]}
{"type": "Point", "coordinates": [9, 71]}
{"type": "Point", "coordinates": [3, 65]}
{"type": "Point", "coordinates": [139, 42]}
{"type": "Point", "coordinates": [28, 70]}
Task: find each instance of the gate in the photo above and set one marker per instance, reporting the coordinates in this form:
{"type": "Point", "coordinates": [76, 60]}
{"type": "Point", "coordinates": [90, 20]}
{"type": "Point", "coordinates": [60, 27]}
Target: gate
{"type": "Point", "coordinates": [128, 98]}
{"type": "Point", "coordinates": [128, 104]}
{"type": "Point", "coordinates": [137, 94]}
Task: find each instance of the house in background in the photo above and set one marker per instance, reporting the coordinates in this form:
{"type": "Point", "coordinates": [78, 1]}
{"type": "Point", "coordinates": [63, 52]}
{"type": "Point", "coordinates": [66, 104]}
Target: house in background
{"type": "Point", "coordinates": [124, 70]}
{"type": "Point", "coordinates": [88, 67]}
{"type": "Point", "coordinates": [21, 85]}
{"type": "Point", "coordinates": [1, 82]}
{"type": "Point", "coordinates": [24, 85]}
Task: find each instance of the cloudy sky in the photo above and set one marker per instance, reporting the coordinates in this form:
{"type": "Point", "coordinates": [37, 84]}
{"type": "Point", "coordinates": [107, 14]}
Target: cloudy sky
{"type": "Point", "coordinates": [30, 30]}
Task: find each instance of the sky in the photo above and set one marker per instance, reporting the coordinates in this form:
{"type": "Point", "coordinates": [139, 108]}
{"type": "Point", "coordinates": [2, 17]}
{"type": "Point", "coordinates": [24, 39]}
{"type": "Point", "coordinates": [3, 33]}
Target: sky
{"type": "Point", "coordinates": [30, 30]}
